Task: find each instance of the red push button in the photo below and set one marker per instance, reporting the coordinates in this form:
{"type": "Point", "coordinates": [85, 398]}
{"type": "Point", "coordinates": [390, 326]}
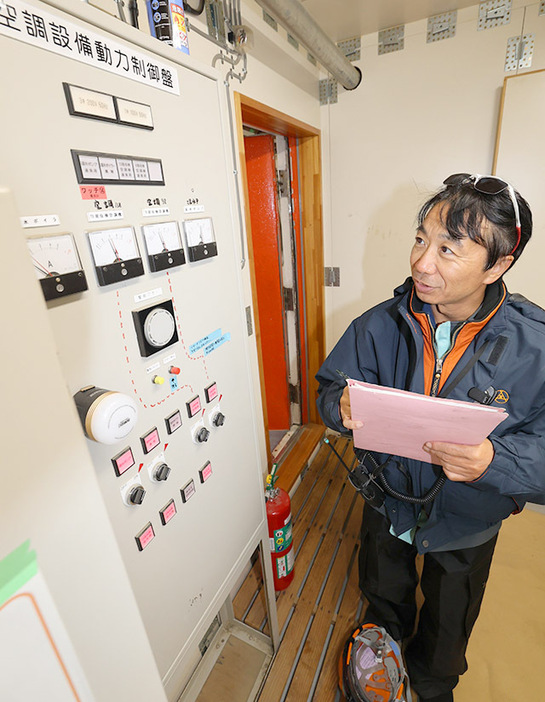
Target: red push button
{"type": "Point", "coordinates": [174, 370]}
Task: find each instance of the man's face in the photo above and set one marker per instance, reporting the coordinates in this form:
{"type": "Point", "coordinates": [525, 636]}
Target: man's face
{"type": "Point", "coordinates": [448, 273]}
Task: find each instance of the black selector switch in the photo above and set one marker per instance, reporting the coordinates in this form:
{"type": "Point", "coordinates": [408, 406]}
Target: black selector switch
{"type": "Point", "coordinates": [162, 472]}
{"type": "Point", "coordinates": [202, 435]}
{"type": "Point", "coordinates": [218, 420]}
{"type": "Point", "coordinates": [136, 495]}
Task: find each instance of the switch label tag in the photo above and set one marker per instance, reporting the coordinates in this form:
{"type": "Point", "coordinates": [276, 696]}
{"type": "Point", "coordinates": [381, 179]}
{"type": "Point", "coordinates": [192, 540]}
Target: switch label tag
{"type": "Point", "coordinates": [205, 472]}
{"type": "Point", "coordinates": [145, 536]}
{"type": "Point", "coordinates": [123, 461]}
{"type": "Point", "coordinates": [168, 512]}
{"type": "Point", "coordinates": [188, 491]}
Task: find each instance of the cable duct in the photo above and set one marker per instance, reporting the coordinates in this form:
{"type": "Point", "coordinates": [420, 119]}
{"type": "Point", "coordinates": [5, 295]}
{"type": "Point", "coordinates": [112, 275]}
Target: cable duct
{"type": "Point", "coordinates": [293, 16]}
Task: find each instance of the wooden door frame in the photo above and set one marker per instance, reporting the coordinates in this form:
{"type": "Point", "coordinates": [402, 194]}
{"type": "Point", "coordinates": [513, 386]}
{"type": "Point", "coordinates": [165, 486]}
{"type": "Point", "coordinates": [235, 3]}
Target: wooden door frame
{"type": "Point", "coordinates": [252, 113]}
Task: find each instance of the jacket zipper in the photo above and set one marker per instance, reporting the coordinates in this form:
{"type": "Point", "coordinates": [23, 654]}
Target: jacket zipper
{"type": "Point", "coordinates": [437, 376]}
{"type": "Point", "coordinates": [439, 361]}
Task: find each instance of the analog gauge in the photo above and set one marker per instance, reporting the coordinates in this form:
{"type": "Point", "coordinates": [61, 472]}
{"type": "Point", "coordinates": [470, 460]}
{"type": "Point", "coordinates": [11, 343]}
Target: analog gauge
{"type": "Point", "coordinates": [164, 245]}
{"type": "Point", "coordinates": [116, 255]}
{"type": "Point", "coordinates": [200, 237]}
{"type": "Point", "coordinates": [57, 265]}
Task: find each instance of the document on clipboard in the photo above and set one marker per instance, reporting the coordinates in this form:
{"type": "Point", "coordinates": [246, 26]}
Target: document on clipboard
{"type": "Point", "coordinates": [400, 422]}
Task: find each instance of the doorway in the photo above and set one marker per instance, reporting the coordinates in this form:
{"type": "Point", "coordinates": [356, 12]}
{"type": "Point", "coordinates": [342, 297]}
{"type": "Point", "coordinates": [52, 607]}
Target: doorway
{"type": "Point", "coordinates": [286, 264]}
{"type": "Point", "coordinates": [273, 191]}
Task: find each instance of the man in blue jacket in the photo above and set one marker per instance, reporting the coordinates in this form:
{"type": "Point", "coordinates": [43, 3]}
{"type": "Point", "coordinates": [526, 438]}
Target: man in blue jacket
{"type": "Point", "coordinates": [451, 330]}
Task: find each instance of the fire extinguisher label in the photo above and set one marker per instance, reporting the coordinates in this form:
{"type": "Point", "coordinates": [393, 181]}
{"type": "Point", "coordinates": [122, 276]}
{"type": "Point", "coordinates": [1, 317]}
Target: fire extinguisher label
{"type": "Point", "coordinates": [284, 564]}
{"type": "Point", "coordinates": [289, 560]}
{"type": "Point", "coordinates": [281, 571]}
{"type": "Point", "coordinates": [282, 537]}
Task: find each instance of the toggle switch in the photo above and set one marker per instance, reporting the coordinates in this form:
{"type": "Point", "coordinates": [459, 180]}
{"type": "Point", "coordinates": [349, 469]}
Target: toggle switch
{"type": "Point", "coordinates": [218, 419]}
{"type": "Point", "coordinates": [133, 492]}
{"type": "Point", "coordinates": [158, 470]}
{"type": "Point", "coordinates": [161, 472]}
{"type": "Point", "coordinates": [200, 433]}
{"type": "Point", "coordinates": [136, 495]}
{"type": "Point", "coordinates": [174, 370]}
{"type": "Point", "coordinates": [158, 379]}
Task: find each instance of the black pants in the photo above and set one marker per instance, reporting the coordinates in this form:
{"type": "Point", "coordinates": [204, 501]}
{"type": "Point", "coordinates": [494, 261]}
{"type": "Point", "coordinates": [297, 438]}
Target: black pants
{"type": "Point", "coordinates": [453, 584]}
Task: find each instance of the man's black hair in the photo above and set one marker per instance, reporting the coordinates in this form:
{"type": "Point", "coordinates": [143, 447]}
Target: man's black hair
{"type": "Point", "coordinates": [467, 210]}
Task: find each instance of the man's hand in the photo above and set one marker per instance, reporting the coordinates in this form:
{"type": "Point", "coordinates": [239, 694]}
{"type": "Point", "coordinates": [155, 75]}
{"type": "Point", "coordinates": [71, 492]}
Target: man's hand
{"type": "Point", "coordinates": [461, 463]}
{"type": "Point", "coordinates": [346, 412]}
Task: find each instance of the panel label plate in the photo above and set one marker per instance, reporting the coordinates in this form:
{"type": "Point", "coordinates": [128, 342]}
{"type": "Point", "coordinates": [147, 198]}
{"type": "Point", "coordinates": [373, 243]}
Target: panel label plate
{"type": "Point", "coordinates": [77, 41]}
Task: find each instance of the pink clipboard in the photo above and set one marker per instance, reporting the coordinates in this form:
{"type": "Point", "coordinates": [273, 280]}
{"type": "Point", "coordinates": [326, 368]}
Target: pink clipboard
{"type": "Point", "coordinates": [400, 422]}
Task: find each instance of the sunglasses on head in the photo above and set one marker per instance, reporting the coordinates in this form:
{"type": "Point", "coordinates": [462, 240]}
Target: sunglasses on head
{"type": "Point", "coordinates": [489, 185]}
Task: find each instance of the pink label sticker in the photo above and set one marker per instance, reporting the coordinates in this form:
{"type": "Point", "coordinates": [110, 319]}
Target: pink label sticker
{"type": "Point", "coordinates": [206, 472]}
{"type": "Point", "coordinates": [194, 406]}
{"type": "Point", "coordinates": [212, 392]}
{"type": "Point", "coordinates": [92, 192]}
{"type": "Point", "coordinates": [151, 440]}
{"type": "Point", "coordinates": [168, 512]}
{"type": "Point", "coordinates": [124, 462]}
{"type": "Point", "coordinates": [145, 537]}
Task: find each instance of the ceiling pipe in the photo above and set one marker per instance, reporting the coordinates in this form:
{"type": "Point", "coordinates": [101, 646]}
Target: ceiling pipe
{"type": "Point", "coordinates": [293, 16]}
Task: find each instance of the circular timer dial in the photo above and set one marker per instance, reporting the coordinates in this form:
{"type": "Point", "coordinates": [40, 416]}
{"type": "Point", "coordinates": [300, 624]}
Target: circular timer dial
{"type": "Point", "coordinates": [159, 327]}
{"type": "Point", "coordinates": [113, 246]}
{"type": "Point", "coordinates": [54, 255]}
{"type": "Point", "coordinates": [161, 238]}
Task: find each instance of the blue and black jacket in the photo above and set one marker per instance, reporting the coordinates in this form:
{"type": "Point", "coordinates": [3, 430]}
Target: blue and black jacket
{"type": "Point", "coordinates": [392, 345]}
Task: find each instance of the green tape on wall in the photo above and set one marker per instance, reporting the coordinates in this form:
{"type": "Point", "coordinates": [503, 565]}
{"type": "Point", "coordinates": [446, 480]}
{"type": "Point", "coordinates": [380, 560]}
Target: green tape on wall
{"type": "Point", "coordinates": [16, 570]}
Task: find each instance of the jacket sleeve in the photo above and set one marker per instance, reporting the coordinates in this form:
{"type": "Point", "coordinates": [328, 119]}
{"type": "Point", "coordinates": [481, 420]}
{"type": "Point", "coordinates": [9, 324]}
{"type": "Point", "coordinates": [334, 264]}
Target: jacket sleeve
{"type": "Point", "coordinates": [352, 357]}
{"type": "Point", "coordinates": [518, 468]}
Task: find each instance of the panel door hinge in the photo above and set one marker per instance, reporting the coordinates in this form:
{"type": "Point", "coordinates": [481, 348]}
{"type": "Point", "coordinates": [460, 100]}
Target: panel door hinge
{"type": "Point", "coordinates": [294, 394]}
{"type": "Point", "coordinates": [332, 277]}
{"type": "Point", "coordinates": [283, 183]}
{"type": "Point", "coordinates": [289, 299]}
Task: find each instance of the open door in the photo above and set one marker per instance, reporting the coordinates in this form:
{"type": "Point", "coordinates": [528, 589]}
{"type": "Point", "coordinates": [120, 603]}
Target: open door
{"type": "Point", "coordinates": [271, 168]}
{"type": "Point", "coordinates": [290, 333]}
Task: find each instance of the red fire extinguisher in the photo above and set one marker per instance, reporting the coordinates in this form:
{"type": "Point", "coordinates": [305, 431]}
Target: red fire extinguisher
{"type": "Point", "coordinates": [280, 532]}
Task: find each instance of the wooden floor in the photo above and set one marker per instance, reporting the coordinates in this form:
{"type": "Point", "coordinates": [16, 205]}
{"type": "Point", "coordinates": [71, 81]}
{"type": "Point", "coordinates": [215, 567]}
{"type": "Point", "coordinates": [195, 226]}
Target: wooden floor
{"type": "Point", "coordinates": [322, 604]}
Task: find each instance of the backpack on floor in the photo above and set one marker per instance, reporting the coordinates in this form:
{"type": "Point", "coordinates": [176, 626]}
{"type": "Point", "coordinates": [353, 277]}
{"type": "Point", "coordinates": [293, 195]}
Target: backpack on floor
{"type": "Point", "coordinates": [371, 667]}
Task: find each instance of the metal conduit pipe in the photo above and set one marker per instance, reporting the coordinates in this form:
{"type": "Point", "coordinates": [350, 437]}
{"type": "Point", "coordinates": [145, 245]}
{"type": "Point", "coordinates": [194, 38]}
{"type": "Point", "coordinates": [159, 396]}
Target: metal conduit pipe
{"type": "Point", "coordinates": [293, 16]}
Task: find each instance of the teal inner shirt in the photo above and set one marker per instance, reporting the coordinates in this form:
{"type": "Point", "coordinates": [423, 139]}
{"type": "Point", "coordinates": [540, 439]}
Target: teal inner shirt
{"type": "Point", "coordinates": [442, 343]}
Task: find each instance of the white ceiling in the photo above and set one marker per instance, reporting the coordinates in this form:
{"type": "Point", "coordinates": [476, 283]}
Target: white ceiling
{"type": "Point", "coordinates": [344, 19]}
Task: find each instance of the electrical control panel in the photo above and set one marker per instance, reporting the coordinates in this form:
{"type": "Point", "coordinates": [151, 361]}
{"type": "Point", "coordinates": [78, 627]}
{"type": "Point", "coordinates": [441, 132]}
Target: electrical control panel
{"type": "Point", "coordinates": [130, 231]}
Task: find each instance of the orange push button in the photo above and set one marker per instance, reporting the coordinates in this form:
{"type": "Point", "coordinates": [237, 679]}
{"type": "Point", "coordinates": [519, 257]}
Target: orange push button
{"type": "Point", "coordinates": [174, 370]}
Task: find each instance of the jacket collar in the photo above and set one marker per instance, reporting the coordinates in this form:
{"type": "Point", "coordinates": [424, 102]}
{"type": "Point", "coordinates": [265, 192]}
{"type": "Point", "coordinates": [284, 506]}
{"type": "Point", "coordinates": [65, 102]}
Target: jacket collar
{"type": "Point", "coordinates": [494, 295]}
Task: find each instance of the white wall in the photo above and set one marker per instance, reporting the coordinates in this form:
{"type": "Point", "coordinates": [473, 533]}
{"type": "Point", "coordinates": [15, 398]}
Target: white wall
{"type": "Point", "coordinates": [419, 115]}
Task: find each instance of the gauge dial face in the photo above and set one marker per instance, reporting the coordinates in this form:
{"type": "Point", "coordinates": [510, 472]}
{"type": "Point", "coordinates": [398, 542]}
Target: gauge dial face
{"type": "Point", "coordinates": [54, 255]}
{"type": "Point", "coordinates": [162, 238]}
{"type": "Point", "coordinates": [159, 327]}
{"type": "Point", "coordinates": [113, 246]}
{"type": "Point", "coordinates": [199, 231]}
